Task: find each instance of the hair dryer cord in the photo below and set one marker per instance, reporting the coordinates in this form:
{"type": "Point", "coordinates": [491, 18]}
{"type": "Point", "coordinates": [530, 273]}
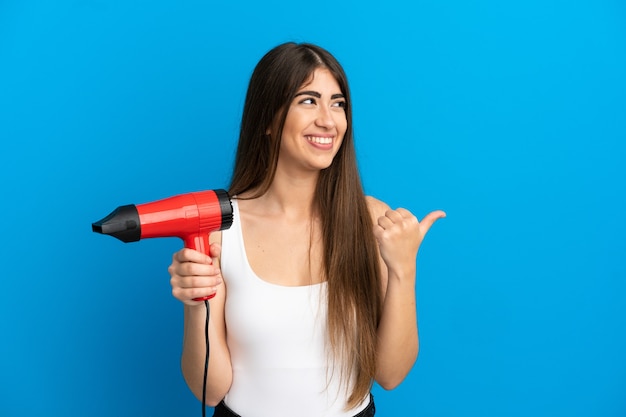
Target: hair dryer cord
{"type": "Point", "coordinates": [206, 359]}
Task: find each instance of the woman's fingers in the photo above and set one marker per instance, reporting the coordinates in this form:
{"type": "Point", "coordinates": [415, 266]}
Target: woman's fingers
{"type": "Point", "coordinates": [194, 275]}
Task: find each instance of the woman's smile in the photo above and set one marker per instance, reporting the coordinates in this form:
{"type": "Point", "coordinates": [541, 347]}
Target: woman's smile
{"type": "Point", "coordinates": [321, 142]}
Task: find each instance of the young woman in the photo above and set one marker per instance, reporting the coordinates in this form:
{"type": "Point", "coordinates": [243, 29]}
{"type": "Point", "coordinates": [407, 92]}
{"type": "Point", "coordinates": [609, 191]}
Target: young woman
{"type": "Point", "coordinates": [314, 282]}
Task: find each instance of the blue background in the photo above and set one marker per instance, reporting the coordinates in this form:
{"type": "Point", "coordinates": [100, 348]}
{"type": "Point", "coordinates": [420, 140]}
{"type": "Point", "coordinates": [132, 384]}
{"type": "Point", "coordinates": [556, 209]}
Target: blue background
{"type": "Point", "coordinates": [511, 116]}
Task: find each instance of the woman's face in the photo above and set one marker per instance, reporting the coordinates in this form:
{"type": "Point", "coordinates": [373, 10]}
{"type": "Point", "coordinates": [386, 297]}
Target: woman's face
{"type": "Point", "coordinates": [314, 126]}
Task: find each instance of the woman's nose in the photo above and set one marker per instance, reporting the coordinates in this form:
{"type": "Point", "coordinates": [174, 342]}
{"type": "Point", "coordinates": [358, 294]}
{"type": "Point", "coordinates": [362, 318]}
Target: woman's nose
{"type": "Point", "coordinates": [325, 118]}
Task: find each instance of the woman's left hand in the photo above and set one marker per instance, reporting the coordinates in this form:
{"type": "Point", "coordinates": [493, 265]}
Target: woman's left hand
{"type": "Point", "coordinates": [399, 235]}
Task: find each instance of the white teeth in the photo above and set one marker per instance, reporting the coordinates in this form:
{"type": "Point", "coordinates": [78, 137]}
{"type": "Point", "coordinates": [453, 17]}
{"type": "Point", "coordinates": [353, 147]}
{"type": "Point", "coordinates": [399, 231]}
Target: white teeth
{"type": "Point", "coordinates": [322, 141]}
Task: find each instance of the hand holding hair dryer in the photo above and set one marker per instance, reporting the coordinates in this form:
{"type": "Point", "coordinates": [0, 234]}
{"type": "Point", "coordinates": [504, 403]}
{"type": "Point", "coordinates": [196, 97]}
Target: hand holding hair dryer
{"type": "Point", "coordinates": [191, 217]}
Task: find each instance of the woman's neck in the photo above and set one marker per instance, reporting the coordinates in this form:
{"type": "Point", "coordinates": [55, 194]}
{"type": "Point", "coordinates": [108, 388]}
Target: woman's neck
{"type": "Point", "coordinates": [291, 196]}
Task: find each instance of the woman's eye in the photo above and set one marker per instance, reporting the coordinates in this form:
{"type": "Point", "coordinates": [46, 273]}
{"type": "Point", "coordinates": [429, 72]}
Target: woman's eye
{"type": "Point", "coordinates": [341, 104]}
{"type": "Point", "coordinates": [309, 100]}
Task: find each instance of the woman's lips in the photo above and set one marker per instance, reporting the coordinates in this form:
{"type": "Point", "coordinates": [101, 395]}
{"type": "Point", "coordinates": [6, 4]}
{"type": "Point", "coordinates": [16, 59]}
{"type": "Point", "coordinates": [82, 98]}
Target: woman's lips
{"type": "Point", "coordinates": [322, 142]}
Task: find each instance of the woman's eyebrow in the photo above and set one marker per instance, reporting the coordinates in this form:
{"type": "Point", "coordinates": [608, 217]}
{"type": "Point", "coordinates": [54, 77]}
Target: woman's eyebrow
{"type": "Point", "coordinates": [309, 93]}
{"type": "Point", "coordinates": [318, 95]}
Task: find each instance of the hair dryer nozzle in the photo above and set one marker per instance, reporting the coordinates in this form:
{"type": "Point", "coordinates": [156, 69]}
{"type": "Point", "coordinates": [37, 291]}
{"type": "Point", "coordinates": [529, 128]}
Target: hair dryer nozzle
{"type": "Point", "coordinates": [226, 207]}
{"type": "Point", "coordinates": [123, 223]}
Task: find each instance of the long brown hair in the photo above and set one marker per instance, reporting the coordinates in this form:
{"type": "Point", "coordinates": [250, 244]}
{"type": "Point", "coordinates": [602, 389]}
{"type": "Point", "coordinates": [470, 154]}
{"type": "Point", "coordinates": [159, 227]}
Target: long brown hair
{"type": "Point", "coordinates": [350, 260]}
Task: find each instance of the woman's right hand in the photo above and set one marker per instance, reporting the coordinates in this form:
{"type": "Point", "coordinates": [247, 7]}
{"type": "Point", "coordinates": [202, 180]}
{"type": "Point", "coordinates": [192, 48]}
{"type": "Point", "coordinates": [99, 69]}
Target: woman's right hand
{"type": "Point", "coordinates": [194, 274]}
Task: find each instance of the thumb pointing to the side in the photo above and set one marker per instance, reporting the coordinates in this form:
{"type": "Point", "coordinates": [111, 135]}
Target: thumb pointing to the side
{"type": "Point", "coordinates": [430, 219]}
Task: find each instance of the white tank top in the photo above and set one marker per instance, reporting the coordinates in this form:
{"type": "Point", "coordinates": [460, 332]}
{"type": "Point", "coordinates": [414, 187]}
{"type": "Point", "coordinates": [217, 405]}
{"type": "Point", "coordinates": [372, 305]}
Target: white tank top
{"type": "Point", "coordinates": [276, 337]}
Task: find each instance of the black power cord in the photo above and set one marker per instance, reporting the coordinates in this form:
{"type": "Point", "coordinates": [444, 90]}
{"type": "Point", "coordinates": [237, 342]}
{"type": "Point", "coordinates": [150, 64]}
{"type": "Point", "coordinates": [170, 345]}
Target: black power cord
{"type": "Point", "coordinates": [206, 358]}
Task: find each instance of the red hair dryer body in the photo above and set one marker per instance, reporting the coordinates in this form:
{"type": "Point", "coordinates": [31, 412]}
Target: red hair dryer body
{"type": "Point", "coordinates": [191, 217]}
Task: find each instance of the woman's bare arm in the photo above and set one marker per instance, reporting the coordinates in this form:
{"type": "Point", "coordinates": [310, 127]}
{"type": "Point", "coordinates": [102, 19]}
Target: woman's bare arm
{"type": "Point", "coordinates": [194, 275]}
{"type": "Point", "coordinates": [399, 235]}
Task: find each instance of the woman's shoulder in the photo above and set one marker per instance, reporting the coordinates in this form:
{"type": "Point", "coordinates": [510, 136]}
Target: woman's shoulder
{"type": "Point", "coordinates": [377, 208]}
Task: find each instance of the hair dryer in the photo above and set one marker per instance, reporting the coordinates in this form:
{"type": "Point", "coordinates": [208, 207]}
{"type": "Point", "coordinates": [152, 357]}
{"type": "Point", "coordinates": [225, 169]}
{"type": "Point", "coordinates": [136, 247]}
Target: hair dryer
{"type": "Point", "coordinates": [190, 217]}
